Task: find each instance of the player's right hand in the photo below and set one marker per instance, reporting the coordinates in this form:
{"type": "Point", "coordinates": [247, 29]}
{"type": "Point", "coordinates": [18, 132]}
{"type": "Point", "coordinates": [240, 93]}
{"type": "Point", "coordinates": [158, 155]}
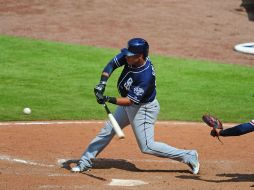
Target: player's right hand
{"type": "Point", "coordinates": [100, 98]}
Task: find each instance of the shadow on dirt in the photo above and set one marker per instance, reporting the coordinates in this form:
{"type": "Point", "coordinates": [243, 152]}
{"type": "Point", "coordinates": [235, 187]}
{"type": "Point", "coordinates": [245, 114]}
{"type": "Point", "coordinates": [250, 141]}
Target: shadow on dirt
{"type": "Point", "coordinates": [103, 163]}
{"type": "Point", "coordinates": [232, 178]}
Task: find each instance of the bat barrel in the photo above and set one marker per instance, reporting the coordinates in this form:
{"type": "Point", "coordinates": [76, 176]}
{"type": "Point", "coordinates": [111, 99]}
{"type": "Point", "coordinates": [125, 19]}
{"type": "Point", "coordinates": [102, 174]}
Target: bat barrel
{"type": "Point", "coordinates": [114, 123]}
{"type": "Point", "coordinates": [116, 127]}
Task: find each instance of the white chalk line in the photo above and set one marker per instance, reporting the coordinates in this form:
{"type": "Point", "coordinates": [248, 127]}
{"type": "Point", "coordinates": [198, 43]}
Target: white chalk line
{"type": "Point", "coordinates": [62, 175]}
{"type": "Point", "coordinates": [48, 123]}
{"type": "Point", "coordinates": [114, 182]}
{"type": "Point", "coordinates": [22, 161]}
{"type": "Point", "coordinates": [81, 122]}
{"type": "Point", "coordinates": [59, 162]}
{"type": "Point", "coordinates": [62, 187]}
{"type": "Point", "coordinates": [86, 122]}
{"type": "Point", "coordinates": [168, 123]}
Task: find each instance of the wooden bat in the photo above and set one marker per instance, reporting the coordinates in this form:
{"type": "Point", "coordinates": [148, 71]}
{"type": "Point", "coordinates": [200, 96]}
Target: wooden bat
{"type": "Point", "coordinates": [114, 123]}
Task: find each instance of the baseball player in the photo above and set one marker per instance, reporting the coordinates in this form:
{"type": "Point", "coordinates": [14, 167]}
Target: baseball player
{"type": "Point", "coordinates": [137, 106]}
{"type": "Point", "coordinates": [217, 127]}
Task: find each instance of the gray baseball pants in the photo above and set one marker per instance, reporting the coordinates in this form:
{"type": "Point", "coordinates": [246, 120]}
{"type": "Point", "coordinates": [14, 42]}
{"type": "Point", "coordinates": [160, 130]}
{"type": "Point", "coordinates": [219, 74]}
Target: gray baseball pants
{"type": "Point", "coordinates": [142, 119]}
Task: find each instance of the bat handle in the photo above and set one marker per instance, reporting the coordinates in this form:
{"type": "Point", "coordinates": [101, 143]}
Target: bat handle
{"type": "Point", "coordinates": [106, 108]}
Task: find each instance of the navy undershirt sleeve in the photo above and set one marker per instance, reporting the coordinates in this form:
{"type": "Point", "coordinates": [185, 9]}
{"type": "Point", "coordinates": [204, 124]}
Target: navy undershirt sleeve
{"type": "Point", "coordinates": [238, 130]}
{"type": "Point", "coordinates": [116, 62]}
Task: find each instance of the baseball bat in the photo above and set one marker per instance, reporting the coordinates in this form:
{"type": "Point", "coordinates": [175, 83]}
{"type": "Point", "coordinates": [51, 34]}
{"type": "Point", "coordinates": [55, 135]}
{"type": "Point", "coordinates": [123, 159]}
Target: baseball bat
{"type": "Point", "coordinates": [114, 123]}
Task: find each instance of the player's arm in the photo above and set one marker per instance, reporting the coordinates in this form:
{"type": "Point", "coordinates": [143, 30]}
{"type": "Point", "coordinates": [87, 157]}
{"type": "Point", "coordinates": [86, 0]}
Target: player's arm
{"type": "Point", "coordinates": [121, 101]}
{"type": "Point", "coordinates": [124, 101]}
{"type": "Point", "coordinates": [116, 62]}
{"type": "Point", "coordinates": [135, 95]}
{"type": "Point", "coordinates": [107, 71]}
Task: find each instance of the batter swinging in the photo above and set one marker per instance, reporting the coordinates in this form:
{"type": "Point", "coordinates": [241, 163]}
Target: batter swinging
{"type": "Point", "coordinates": [137, 106]}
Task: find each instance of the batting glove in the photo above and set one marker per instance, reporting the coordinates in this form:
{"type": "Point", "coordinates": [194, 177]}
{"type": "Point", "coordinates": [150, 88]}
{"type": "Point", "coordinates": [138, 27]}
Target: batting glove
{"type": "Point", "coordinates": [100, 88]}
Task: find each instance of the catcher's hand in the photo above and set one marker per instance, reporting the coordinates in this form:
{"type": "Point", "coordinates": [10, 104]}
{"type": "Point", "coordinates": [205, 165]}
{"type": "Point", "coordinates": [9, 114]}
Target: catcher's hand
{"type": "Point", "coordinates": [214, 133]}
{"type": "Point", "coordinates": [215, 124]}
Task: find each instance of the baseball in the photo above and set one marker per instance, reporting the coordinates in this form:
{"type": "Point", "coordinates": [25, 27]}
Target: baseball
{"type": "Point", "coordinates": [27, 111]}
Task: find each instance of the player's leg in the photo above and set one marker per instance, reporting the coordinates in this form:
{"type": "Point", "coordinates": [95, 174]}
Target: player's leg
{"type": "Point", "coordinates": [238, 130]}
{"type": "Point", "coordinates": [142, 119]}
{"type": "Point", "coordinates": [102, 139]}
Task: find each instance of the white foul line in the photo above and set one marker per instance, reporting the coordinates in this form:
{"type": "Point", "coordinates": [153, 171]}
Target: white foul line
{"type": "Point", "coordinates": [168, 123]}
{"type": "Point", "coordinates": [21, 161]}
{"type": "Point", "coordinates": [61, 161]}
{"type": "Point", "coordinates": [48, 122]}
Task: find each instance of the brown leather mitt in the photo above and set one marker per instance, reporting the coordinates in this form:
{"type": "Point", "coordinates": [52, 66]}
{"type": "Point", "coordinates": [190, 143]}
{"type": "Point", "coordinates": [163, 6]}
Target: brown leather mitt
{"type": "Point", "coordinates": [213, 122]}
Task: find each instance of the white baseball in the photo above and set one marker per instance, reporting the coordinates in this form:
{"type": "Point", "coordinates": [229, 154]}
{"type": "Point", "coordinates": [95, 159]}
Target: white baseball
{"type": "Point", "coordinates": [27, 111]}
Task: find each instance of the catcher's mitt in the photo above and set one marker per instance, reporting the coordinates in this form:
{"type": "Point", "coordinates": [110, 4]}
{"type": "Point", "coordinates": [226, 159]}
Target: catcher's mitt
{"type": "Point", "coordinates": [214, 123]}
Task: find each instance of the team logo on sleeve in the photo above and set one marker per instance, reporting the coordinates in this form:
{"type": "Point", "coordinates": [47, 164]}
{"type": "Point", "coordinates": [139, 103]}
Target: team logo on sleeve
{"type": "Point", "coordinates": [138, 91]}
{"type": "Point", "coordinates": [128, 84]}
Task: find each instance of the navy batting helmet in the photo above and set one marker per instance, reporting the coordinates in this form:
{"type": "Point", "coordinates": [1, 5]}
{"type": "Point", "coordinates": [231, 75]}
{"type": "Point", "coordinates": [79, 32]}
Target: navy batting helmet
{"type": "Point", "coordinates": [136, 46]}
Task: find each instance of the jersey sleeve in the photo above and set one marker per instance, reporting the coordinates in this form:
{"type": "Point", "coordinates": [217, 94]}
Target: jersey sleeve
{"type": "Point", "coordinates": [117, 61]}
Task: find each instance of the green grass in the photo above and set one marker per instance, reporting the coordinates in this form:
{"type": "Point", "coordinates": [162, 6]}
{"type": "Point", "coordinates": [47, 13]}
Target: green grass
{"type": "Point", "coordinates": [189, 88]}
{"type": "Point", "coordinates": [56, 81]}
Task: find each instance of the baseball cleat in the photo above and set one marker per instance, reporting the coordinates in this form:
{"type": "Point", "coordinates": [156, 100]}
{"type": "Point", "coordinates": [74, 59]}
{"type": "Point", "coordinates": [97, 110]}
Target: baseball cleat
{"type": "Point", "coordinates": [76, 169]}
{"type": "Point", "coordinates": [79, 169]}
{"type": "Point", "coordinates": [194, 163]}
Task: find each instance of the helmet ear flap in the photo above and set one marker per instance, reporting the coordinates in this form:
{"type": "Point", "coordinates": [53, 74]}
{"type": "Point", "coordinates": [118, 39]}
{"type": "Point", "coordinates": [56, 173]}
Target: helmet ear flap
{"type": "Point", "coordinates": [146, 49]}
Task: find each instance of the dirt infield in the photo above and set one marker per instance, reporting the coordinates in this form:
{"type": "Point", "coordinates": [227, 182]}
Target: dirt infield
{"type": "Point", "coordinates": [30, 155]}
